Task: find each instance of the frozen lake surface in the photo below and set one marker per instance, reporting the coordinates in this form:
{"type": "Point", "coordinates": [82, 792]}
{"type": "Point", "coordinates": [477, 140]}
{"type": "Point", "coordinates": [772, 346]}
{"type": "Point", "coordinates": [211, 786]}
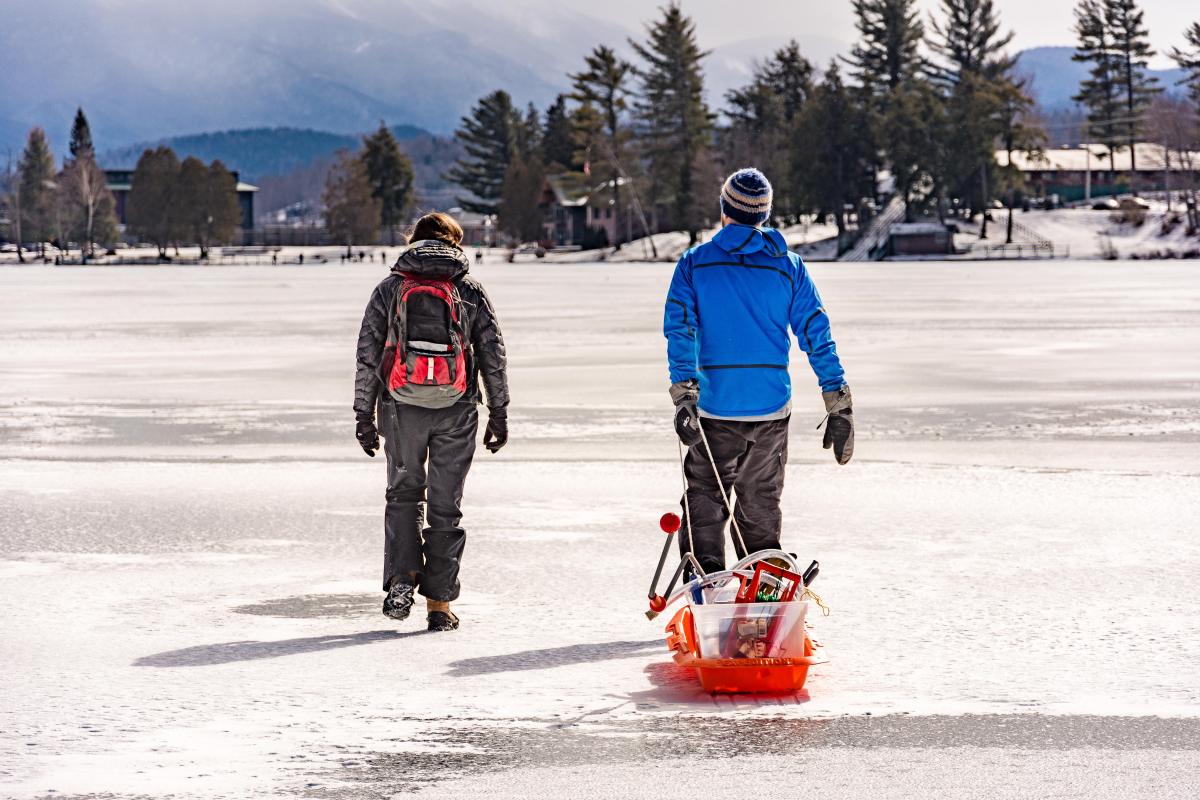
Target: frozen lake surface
{"type": "Point", "coordinates": [190, 545]}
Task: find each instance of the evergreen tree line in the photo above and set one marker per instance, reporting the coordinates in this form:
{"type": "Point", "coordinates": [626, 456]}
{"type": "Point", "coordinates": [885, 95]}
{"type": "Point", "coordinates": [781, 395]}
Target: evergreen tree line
{"type": "Point", "coordinates": [44, 204]}
{"type": "Point", "coordinates": [926, 103]}
{"type": "Point", "coordinates": [170, 202]}
{"type": "Point", "coordinates": [369, 190]}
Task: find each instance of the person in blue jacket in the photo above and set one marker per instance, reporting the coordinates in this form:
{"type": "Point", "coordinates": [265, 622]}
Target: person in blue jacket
{"type": "Point", "coordinates": [729, 309]}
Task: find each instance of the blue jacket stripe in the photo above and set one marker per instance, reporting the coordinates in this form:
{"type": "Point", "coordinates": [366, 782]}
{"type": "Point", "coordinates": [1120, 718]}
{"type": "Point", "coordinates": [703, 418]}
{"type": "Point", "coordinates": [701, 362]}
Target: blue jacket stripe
{"type": "Point", "coordinates": [747, 266]}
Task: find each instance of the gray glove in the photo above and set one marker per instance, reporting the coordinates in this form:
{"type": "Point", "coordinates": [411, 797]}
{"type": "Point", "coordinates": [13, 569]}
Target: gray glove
{"type": "Point", "coordinates": [686, 395]}
{"type": "Point", "coordinates": [839, 424]}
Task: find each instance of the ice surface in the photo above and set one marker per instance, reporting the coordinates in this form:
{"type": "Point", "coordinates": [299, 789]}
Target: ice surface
{"type": "Point", "coordinates": [190, 545]}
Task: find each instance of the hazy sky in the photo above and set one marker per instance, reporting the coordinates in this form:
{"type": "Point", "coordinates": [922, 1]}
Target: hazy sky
{"type": "Point", "coordinates": [1036, 22]}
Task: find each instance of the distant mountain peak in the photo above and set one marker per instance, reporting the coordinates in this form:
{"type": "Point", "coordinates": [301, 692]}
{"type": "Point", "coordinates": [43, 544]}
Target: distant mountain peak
{"type": "Point", "coordinates": [1055, 77]}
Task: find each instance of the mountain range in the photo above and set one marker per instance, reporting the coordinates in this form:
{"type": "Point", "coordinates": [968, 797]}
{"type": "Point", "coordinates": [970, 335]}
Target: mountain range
{"type": "Point", "coordinates": [1055, 77]}
{"type": "Point", "coordinates": [288, 82]}
{"type": "Point", "coordinates": [145, 69]}
{"type": "Point", "coordinates": [254, 152]}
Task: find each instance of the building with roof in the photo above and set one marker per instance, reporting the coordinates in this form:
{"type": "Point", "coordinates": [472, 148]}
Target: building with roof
{"type": "Point", "coordinates": [581, 213]}
{"type": "Point", "coordinates": [1081, 173]}
{"type": "Point", "coordinates": [120, 181]}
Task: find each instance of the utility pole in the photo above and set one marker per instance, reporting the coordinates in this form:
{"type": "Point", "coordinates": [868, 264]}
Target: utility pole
{"type": "Point", "coordinates": [1087, 174]}
{"type": "Point", "coordinates": [1166, 153]}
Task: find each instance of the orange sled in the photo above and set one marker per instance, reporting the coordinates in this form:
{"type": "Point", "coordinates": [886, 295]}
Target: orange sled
{"type": "Point", "coordinates": [779, 666]}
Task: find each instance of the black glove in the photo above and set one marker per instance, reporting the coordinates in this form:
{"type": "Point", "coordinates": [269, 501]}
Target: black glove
{"type": "Point", "coordinates": [839, 424]}
{"type": "Point", "coordinates": [686, 396]}
{"type": "Point", "coordinates": [496, 435]}
{"type": "Point", "coordinates": [368, 436]}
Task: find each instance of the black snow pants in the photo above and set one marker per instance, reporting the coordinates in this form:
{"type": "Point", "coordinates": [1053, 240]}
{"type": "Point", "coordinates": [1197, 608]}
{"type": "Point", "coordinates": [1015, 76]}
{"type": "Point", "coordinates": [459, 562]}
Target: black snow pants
{"type": "Point", "coordinates": [429, 453]}
{"type": "Point", "coordinates": [750, 457]}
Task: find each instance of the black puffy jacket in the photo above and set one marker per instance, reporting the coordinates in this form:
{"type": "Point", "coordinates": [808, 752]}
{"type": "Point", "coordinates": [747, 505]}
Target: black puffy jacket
{"type": "Point", "coordinates": [485, 357]}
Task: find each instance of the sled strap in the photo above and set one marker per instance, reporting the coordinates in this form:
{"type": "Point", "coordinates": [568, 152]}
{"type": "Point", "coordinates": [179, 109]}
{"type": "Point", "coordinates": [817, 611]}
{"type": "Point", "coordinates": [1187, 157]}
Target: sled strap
{"type": "Point", "coordinates": [687, 508]}
{"type": "Point", "coordinates": [720, 485]}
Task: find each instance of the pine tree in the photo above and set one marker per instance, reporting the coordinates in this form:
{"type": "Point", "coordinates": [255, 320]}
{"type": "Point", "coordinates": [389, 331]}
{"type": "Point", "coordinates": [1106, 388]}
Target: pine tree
{"type": "Point", "coordinates": [520, 210]}
{"type": "Point", "coordinates": [831, 146]}
{"type": "Point", "coordinates": [1189, 61]}
{"type": "Point", "coordinates": [888, 66]}
{"type": "Point", "coordinates": [37, 190]}
{"type": "Point", "coordinates": [529, 134]}
{"type": "Point", "coordinates": [763, 115]}
{"type": "Point", "coordinates": [587, 135]}
{"type": "Point", "coordinates": [352, 212]}
{"type": "Point", "coordinates": [604, 86]}
{"type": "Point", "coordinates": [976, 77]}
{"type": "Point", "coordinates": [1131, 46]}
{"type": "Point", "coordinates": [558, 145]}
{"type": "Point", "coordinates": [673, 121]}
{"type": "Point", "coordinates": [520, 204]}
{"type": "Point", "coordinates": [153, 210]}
{"type": "Point", "coordinates": [391, 175]}
{"type": "Point", "coordinates": [81, 136]}
{"type": "Point", "coordinates": [887, 54]}
{"type": "Point", "coordinates": [1099, 91]}
{"type": "Point", "coordinates": [488, 136]}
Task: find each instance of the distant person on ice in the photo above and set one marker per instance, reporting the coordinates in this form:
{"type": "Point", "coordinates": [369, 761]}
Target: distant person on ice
{"type": "Point", "coordinates": [429, 335]}
{"type": "Point", "coordinates": [728, 311]}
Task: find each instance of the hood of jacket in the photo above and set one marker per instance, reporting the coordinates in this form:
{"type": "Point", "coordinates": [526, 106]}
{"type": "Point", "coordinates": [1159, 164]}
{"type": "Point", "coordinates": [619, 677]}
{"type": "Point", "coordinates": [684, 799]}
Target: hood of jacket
{"type": "Point", "coordinates": [432, 258]}
{"type": "Point", "coordinates": [742, 240]}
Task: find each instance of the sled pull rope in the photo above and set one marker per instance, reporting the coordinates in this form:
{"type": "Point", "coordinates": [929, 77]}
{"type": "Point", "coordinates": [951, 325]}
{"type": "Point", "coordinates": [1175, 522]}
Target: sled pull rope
{"type": "Point", "coordinates": [721, 486]}
{"type": "Point", "coordinates": [687, 509]}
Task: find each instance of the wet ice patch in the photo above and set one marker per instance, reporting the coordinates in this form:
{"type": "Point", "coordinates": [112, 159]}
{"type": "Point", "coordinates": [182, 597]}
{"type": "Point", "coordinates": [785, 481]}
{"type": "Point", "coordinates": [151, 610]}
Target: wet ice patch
{"type": "Point", "coordinates": [315, 606]}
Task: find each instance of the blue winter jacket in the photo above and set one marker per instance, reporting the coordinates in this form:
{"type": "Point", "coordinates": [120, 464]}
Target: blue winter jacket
{"type": "Point", "coordinates": [729, 308]}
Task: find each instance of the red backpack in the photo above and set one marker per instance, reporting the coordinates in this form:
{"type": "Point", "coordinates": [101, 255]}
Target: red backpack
{"type": "Point", "coordinates": [426, 344]}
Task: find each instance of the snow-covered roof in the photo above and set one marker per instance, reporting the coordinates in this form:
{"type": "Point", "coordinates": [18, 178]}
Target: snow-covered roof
{"type": "Point", "coordinates": [1150, 158]}
{"type": "Point", "coordinates": [575, 189]}
{"type": "Point", "coordinates": [242, 186]}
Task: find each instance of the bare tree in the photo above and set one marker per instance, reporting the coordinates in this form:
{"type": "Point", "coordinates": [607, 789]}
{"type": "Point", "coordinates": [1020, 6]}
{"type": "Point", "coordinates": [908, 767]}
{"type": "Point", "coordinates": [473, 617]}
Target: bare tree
{"type": "Point", "coordinates": [352, 213]}
{"type": "Point", "coordinates": [1171, 123]}
{"type": "Point", "coordinates": [89, 205]}
{"type": "Point", "coordinates": [10, 192]}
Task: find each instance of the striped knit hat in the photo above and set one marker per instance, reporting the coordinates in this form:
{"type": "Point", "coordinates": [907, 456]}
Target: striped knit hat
{"type": "Point", "coordinates": [746, 197]}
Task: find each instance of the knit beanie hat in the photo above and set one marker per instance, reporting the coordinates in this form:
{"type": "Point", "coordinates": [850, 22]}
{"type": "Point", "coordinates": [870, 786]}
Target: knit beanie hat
{"type": "Point", "coordinates": [746, 197]}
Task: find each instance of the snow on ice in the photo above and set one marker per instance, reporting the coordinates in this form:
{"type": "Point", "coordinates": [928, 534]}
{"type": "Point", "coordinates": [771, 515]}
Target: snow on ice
{"type": "Point", "coordinates": [190, 545]}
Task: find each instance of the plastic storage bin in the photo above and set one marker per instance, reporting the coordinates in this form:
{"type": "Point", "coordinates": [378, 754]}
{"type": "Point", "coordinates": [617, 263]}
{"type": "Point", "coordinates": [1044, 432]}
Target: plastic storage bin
{"type": "Point", "coordinates": [750, 630]}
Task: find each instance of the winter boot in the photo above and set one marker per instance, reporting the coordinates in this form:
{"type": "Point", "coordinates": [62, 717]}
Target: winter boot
{"type": "Point", "coordinates": [441, 618]}
{"type": "Point", "coordinates": [399, 601]}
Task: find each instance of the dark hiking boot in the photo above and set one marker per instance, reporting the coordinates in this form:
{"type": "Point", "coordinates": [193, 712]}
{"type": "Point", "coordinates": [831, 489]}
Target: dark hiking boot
{"type": "Point", "coordinates": [399, 601]}
{"type": "Point", "coordinates": [442, 621]}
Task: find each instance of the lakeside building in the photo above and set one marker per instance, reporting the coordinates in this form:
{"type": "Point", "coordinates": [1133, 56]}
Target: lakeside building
{"type": "Point", "coordinates": [1086, 172]}
{"type": "Point", "coordinates": [120, 181]}
{"type": "Point", "coordinates": [580, 213]}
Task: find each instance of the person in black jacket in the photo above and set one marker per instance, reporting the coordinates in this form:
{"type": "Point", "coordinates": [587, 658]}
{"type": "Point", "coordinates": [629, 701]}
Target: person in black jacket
{"type": "Point", "coordinates": [429, 450]}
